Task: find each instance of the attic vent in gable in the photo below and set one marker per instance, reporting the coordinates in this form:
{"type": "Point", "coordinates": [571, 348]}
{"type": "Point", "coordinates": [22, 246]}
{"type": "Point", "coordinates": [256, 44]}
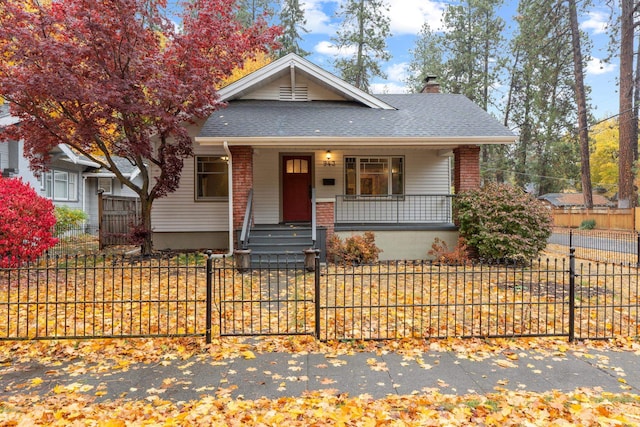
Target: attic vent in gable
{"type": "Point", "coordinates": [301, 93]}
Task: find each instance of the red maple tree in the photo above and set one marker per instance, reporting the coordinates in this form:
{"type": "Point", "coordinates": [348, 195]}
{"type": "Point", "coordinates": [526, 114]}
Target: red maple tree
{"type": "Point", "coordinates": [117, 78]}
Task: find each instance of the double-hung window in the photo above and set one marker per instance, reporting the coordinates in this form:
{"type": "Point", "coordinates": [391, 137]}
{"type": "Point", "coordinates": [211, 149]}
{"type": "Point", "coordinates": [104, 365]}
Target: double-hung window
{"type": "Point", "coordinates": [374, 176]}
{"type": "Point", "coordinates": [212, 178]}
{"type": "Point", "coordinates": [60, 185]}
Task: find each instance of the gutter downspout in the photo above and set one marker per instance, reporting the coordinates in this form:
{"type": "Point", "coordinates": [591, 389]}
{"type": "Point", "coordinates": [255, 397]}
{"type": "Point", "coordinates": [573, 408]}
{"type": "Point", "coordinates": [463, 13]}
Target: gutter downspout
{"type": "Point", "coordinates": [225, 145]}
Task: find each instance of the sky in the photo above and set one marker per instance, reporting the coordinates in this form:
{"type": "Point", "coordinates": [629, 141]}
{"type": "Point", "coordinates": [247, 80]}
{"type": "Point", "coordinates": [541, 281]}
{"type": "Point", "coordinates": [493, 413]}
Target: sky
{"type": "Point", "coordinates": [408, 16]}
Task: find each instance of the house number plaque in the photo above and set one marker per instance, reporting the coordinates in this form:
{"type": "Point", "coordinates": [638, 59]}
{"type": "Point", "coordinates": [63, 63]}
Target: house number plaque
{"type": "Point", "coordinates": [329, 163]}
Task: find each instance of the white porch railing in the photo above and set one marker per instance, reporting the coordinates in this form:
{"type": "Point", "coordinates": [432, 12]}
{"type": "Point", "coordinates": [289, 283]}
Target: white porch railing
{"type": "Point", "coordinates": [404, 209]}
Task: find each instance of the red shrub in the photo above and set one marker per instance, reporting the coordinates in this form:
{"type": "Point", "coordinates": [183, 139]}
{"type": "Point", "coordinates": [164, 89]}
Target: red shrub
{"type": "Point", "coordinates": [26, 223]}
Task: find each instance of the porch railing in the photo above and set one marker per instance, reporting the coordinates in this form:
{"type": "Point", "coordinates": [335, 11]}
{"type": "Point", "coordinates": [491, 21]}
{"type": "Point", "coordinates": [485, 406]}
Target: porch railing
{"type": "Point", "coordinates": [401, 209]}
{"type": "Point", "coordinates": [246, 223]}
{"type": "Point", "coordinates": [314, 224]}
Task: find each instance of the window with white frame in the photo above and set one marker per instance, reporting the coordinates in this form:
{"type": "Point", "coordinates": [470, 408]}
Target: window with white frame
{"type": "Point", "coordinates": [374, 176]}
{"type": "Point", "coordinates": [212, 178]}
{"type": "Point", "coordinates": [105, 184]}
{"type": "Point", "coordinates": [60, 185]}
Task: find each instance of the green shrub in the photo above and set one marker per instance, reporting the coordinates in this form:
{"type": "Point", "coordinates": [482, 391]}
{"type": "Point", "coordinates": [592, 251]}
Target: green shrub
{"type": "Point", "coordinates": [68, 218]}
{"type": "Point", "coordinates": [588, 224]}
{"type": "Point", "coordinates": [355, 250]}
{"type": "Point", "coordinates": [501, 222]}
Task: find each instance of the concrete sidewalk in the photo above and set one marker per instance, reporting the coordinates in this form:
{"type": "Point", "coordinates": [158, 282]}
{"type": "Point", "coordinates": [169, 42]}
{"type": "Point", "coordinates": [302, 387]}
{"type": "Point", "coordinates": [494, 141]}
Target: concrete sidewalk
{"type": "Point", "coordinates": [274, 375]}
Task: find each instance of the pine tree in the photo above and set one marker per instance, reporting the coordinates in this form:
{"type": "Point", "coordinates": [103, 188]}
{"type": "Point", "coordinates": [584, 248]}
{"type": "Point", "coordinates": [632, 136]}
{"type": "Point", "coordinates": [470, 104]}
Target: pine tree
{"type": "Point", "coordinates": [365, 28]}
{"type": "Point", "coordinates": [249, 11]}
{"type": "Point", "coordinates": [472, 47]}
{"type": "Point", "coordinates": [628, 123]}
{"type": "Point", "coordinates": [426, 59]}
{"type": "Point", "coordinates": [581, 101]}
{"type": "Point", "coordinates": [292, 21]}
{"type": "Point", "coordinates": [541, 96]}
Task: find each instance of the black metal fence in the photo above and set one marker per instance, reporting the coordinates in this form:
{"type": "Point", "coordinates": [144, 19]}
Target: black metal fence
{"type": "Point", "coordinates": [103, 297]}
{"type": "Point", "coordinates": [200, 295]}
{"type": "Point", "coordinates": [76, 240]}
{"type": "Point", "coordinates": [611, 246]}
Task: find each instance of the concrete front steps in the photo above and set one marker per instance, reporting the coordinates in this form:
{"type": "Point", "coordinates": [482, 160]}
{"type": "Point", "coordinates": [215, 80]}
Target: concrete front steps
{"type": "Point", "coordinates": [279, 244]}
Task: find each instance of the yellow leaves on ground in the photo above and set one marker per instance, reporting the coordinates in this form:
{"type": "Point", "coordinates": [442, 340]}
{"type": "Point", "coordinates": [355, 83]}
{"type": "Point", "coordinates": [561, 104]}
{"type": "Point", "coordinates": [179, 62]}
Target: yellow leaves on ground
{"type": "Point", "coordinates": [248, 354]}
{"type": "Point", "coordinates": [324, 408]}
{"type": "Point", "coordinates": [367, 302]}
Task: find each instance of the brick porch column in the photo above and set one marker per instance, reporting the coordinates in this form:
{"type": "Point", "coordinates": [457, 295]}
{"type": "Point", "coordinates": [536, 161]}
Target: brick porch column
{"type": "Point", "coordinates": [242, 169]}
{"type": "Point", "coordinates": [466, 168]}
{"type": "Point", "coordinates": [325, 216]}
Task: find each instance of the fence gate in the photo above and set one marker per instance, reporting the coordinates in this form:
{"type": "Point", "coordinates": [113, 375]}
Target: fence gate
{"type": "Point", "coordinates": [269, 296]}
{"type": "Point", "coordinates": [116, 216]}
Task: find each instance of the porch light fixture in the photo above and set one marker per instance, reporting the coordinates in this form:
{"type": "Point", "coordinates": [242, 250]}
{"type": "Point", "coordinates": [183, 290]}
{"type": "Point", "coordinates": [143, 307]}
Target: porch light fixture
{"type": "Point", "coordinates": [328, 155]}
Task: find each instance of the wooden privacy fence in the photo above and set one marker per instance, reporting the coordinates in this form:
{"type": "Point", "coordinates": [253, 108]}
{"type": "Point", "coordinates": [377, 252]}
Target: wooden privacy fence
{"type": "Point", "coordinates": [116, 216]}
{"type": "Point", "coordinates": [605, 218]}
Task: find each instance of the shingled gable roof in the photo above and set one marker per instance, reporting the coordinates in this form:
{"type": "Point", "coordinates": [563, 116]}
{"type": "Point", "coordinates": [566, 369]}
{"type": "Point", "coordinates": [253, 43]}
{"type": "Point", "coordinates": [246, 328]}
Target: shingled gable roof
{"type": "Point", "coordinates": [293, 64]}
{"type": "Point", "coordinates": [436, 120]}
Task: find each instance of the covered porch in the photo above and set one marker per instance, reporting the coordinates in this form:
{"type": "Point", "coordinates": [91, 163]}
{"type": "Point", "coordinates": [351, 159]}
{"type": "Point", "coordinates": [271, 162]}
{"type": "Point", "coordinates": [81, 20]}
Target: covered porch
{"type": "Point", "coordinates": [305, 192]}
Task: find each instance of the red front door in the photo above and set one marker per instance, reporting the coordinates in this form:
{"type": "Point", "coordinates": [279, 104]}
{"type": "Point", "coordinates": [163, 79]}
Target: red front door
{"type": "Point", "coordinates": [296, 188]}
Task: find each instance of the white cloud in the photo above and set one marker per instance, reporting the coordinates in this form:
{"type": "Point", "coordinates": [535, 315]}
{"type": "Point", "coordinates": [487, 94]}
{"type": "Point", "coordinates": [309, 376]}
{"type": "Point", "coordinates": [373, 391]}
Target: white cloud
{"type": "Point", "coordinates": [597, 66]}
{"type": "Point", "coordinates": [408, 16]}
{"type": "Point", "coordinates": [328, 48]}
{"type": "Point", "coordinates": [387, 87]}
{"type": "Point", "coordinates": [318, 21]}
{"type": "Point", "coordinates": [598, 22]}
{"type": "Point", "coordinates": [397, 72]}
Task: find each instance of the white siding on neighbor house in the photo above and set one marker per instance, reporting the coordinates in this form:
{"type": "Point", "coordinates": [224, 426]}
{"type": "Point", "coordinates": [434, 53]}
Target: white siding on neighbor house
{"type": "Point", "coordinates": [179, 211]}
{"type": "Point", "coordinates": [315, 92]}
{"type": "Point", "coordinates": [4, 155]}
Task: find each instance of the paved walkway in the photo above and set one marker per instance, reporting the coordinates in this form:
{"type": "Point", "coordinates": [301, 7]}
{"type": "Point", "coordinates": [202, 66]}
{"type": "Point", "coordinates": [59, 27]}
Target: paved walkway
{"type": "Point", "coordinates": [274, 375]}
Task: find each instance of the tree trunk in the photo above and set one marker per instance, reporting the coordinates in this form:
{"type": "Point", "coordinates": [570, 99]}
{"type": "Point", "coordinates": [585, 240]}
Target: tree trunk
{"type": "Point", "coordinates": [628, 134]}
{"type": "Point", "coordinates": [142, 233]}
{"type": "Point", "coordinates": [581, 101]}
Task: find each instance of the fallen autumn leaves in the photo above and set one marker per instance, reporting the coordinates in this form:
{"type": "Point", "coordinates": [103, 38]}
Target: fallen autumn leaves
{"type": "Point", "coordinates": [512, 408]}
{"type": "Point", "coordinates": [77, 406]}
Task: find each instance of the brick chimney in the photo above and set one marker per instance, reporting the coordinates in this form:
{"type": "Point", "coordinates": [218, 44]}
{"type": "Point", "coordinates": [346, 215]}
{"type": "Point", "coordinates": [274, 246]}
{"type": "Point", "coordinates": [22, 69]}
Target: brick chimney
{"type": "Point", "coordinates": [431, 85]}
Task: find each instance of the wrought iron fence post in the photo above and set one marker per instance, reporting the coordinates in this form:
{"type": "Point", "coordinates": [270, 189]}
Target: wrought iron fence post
{"type": "Point", "coordinates": [571, 238]}
{"type": "Point", "coordinates": [638, 249]}
{"type": "Point", "coordinates": [317, 293]}
{"type": "Point", "coordinates": [209, 319]}
{"type": "Point", "coordinates": [572, 293]}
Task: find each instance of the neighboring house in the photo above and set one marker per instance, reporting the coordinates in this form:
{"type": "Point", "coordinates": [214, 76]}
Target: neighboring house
{"type": "Point", "coordinates": [71, 179]}
{"type": "Point", "coordinates": [296, 143]}
{"type": "Point", "coordinates": [574, 200]}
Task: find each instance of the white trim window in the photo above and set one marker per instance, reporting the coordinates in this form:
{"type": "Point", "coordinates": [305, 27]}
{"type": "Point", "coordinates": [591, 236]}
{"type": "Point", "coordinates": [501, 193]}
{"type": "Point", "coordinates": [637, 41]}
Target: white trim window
{"type": "Point", "coordinates": [106, 185]}
{"type": "Point", "coordinates": [212, 178]}
{"type": "Point", "coordinates": [374, 176]}
{"type": "Point", "coordinates": [60, 185]}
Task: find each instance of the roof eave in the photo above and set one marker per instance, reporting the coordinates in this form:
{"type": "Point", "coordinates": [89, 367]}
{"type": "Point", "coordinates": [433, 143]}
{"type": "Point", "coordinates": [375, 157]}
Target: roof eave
{"type": "Point", "coordinates": [355, 141]}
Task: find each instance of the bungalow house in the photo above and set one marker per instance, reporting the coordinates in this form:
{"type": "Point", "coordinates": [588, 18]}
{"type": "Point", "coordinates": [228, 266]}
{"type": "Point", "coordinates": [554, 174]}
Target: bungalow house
{"type": "Point", "coordinates": [71, 179]}
{"type": "Point", "coordinates": [298, 151]}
